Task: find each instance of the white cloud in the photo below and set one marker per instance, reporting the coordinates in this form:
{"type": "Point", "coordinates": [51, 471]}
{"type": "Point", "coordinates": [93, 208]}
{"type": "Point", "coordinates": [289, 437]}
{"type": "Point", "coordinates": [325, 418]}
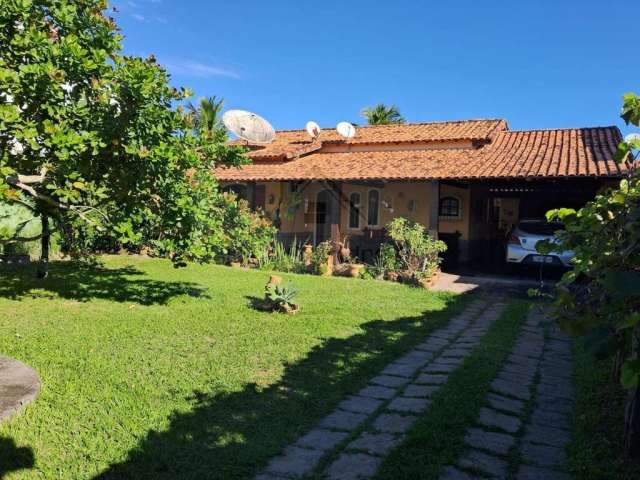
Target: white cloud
{"type": "Point", "coordinates": [162, 20]}
{"type": "Point", "coordinates": [192, 68]}
{"type": "Point", "coordinates": [139, 17]}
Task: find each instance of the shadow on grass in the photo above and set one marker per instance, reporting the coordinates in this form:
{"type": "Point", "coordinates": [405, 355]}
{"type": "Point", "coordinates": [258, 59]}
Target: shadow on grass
{"type": "Point", "coordinates": [14, 458]}
{"type": "Point", "coordinates": [233, 434]}
{"type": "Point", "coordinates": [85, 282]}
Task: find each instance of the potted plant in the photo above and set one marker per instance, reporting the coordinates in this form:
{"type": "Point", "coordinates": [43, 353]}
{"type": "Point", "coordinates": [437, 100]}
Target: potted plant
{"type": "Point", "coordinates": [322, 260]}
{"type": "Point", "coordinates": [280, 298]}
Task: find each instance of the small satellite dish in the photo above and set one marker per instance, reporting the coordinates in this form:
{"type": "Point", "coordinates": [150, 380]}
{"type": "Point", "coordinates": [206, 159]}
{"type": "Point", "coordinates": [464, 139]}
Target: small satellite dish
{"type": "Point", "coordinates": [249, 126]}
{"type": "Point", "coordinates": [313, 129]}
{"type": "Point", "coordinates": [346, 130]}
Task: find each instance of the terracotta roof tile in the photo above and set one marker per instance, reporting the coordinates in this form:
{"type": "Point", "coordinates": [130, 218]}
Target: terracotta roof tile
{"type": "Point", "coordinates": [511, 154]}
{"type": "Point", "coordinates": [291, 143]}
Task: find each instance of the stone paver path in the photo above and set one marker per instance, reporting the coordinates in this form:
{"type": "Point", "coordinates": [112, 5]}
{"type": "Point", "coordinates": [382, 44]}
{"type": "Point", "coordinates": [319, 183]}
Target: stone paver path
{"type": "Point", "coordinates": [523, 430]}
{"type": "Point", "coordinates": [368, 425]}
{"type": "Point", "coordinates": [19, 385]}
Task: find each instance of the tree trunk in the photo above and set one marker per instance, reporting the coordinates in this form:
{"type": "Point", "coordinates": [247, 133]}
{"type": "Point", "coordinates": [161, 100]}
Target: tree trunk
{"type": "Point", "coordinates": [632, 410]}
{"type": "Point", "coordinates": [45, 241]}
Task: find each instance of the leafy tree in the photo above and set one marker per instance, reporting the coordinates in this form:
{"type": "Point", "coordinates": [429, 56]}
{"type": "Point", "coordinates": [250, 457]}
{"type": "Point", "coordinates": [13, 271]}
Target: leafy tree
{"type": "Point", "coordinates": [382, 114]}
{"type": "Point", "coordinates": [600, 297]}
{"type": "Point", "coordinates": [91, 141]}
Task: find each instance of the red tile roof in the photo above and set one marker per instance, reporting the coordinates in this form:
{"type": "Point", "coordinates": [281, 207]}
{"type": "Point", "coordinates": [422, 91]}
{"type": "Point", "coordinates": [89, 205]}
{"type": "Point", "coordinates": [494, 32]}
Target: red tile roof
{"type": "Point", "coordinates": [510, 154]}
{"type": "Point", "coordinates": [292, 143]}
{"type": "Point", "coordinates": [551, 153]}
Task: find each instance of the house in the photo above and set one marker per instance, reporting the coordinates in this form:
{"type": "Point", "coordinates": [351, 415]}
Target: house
{"type": "Point", "coordinates": [466, 181]}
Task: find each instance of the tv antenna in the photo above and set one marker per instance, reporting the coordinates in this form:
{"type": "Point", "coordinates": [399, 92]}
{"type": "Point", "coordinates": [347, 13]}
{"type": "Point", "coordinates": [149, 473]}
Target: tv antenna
{"type": "Point", "coordinates": [313, 129]}
{"type": "Point", "coordinates": [249, 126]}
{"type": "Point", "coordinates": [346, 130]}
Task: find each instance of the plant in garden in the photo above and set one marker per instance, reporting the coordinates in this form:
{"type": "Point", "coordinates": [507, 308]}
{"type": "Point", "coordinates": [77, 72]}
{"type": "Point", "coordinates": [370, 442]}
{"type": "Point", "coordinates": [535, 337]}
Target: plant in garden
{"type": "Point", "coordinates": [90, 140]}
{"type": "Point", "coordinates": [281, 297]}
{"type": "Point", "coordinates": [278, 257]}
{"type": "Point", "coordinates": [384, 263]}
{"type": "Point", "coordinates": [320, 257]}
{"type": "Point", "coordinates": [246, 234]}
{"type": "Point", "coordinates": [600, 297]}
{"type": "Point", "coordinates": [418, 253]}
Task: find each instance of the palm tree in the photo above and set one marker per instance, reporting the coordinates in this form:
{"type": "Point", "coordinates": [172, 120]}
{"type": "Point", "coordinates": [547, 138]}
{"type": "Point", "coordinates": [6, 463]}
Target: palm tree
{"type": "Point", "coordinates": [206, 116]}
{"type": "Point", "coordinates": [382, 115]}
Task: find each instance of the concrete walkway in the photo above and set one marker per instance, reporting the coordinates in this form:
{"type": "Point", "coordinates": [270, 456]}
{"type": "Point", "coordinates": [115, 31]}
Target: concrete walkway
{"type": "Point", "coordinates": [524, 427]}
{"type": "Point", "coordinates": [19, 385]}
{"type": "Point", "coordinates": [352, 441]}
{"type": "Point", "coordinates": [449, 282]}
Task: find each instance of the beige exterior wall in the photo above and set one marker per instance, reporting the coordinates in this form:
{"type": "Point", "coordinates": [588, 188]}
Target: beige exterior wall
{"type": "Point", "coordinates": [397, 199]}
{"type": "Point", "coordinates": [410, 200]}
{"type": "Point", "coordinates": [460, 224]}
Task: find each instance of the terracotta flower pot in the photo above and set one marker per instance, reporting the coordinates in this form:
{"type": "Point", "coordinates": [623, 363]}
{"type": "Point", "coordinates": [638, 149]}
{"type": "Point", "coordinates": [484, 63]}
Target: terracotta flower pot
{"type": "Point", "coordinates": [355, 269]}
{"type": "Point", "coordinates": [307, 254]}
{"type": "Point", "coordinates": [393, 276]}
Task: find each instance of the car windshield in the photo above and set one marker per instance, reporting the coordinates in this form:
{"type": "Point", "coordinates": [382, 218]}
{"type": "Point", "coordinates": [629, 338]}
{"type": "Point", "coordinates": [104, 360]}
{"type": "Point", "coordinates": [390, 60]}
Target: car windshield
{"type": "Point", "coordinates": [539, 227]}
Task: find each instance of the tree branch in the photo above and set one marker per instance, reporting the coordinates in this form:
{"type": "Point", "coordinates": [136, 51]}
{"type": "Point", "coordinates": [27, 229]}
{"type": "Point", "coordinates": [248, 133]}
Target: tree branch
{"type": "Point", "coordinates": [32, 191]}
{"type": "Point", "coordinates": [5, 241]}
{"type": "Point", "coordinates": [28, 179]}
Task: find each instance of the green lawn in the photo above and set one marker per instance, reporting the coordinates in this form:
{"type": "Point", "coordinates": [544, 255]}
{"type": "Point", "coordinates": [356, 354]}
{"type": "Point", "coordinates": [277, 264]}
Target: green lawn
{"type": "Point", "coordinates": [153, 372]}
{"type": "Point", "coordinates": [596, 452]}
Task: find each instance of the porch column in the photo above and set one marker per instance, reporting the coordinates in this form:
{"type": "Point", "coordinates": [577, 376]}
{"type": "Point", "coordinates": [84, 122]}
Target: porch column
{"type": "Point", "coordinates": [336, 216]}
{"type": "Point", "coordinates": [434, 204]}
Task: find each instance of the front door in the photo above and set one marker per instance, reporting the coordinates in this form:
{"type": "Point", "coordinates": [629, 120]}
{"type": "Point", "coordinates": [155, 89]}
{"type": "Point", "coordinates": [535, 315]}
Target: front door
{"type": "Point", "coordinates": [326, 214]}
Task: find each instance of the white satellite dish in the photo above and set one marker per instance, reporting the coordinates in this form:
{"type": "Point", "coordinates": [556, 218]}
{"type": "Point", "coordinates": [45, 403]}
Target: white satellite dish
{"type": "Point", "coordinates": [249, 126]}
{"type": "Point", "coordinates": [346, 130]}
{"type": "Point", "coordinates": [313, 129]}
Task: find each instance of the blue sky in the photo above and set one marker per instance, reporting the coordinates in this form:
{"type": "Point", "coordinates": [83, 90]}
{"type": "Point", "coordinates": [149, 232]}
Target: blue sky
{"type": "Point", "coordinates": [537, 63]}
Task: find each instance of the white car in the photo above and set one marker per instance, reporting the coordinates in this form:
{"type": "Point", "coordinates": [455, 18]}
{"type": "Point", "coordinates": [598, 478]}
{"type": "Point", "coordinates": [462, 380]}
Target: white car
{"type": "Point", "coordinates": [521, 245]}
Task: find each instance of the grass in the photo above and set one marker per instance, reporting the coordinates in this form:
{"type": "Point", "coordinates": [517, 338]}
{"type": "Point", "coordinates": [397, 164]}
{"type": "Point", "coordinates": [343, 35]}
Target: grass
{"type": "Point", "coordinates": [437, 439]}
{"type": "Point", "coordinates": [595, 452]}
{"type": "Point", "coordinates": [153, 372]}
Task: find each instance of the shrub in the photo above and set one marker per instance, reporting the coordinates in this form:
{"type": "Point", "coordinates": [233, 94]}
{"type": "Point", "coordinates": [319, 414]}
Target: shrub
{"type": "Point", "coordinates": [247, 233]}
{"type": "Point", "coordinates": [417, 252]}
{"type": "Point", "coordinates": [320, 256]}
{"type": "Point", "coordinates": [281, 298]}
{"type": "Point", "coordinates": [279, 258]}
